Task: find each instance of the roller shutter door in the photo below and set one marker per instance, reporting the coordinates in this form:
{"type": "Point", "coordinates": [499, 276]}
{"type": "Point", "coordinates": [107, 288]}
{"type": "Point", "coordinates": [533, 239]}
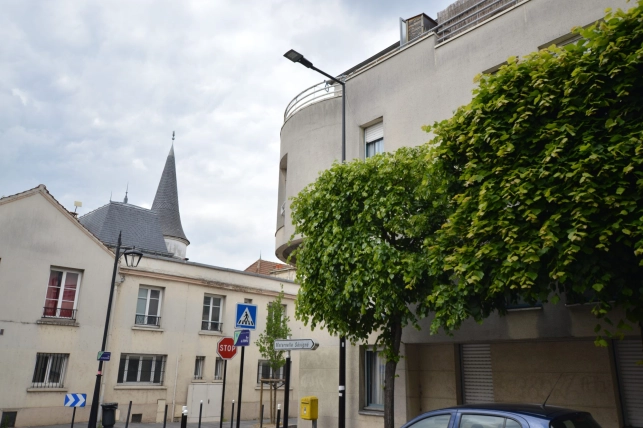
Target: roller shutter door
{"type": "Point", "coordinates": [477, 377]}
{"type": "Point", "coordinates": [630, 376]}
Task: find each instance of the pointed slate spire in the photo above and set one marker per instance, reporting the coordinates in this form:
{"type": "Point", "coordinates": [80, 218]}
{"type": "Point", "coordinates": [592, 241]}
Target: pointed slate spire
{"type": "Point", "coordinates": [166, 201]}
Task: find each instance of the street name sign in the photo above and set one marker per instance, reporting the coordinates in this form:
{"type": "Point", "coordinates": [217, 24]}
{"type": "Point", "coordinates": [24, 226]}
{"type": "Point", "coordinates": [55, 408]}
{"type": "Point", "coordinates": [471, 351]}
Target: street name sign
{"type": "Point", "coordinates": [246, 316]}
{"type": "Point", "coordinates": [242, 338]}
{"type": "Point", "coordinates": [104, 356]}
{"type": "Point", "coordinates": [75, 400]}
{"type": "Point", "coordinates": [226, 348]}
{"type": "Point", "coordinates": [295, 345]}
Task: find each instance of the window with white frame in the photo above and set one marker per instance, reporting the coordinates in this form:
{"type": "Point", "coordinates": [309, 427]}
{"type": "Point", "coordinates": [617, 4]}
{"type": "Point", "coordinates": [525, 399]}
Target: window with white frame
{"type": "Point", "coordinates": [198, 367]}
{"type": "Point", "coordinates": [62, 294]}
{"type": "Point", "coordinates": [147, 369]}
{"type": "Point", "coordinates": [374, 370]}
{"type": "Point", "coordinates": [50, 370]}
{"type": "Point", "coordinates": [148, 306]}
{"type": "Point", "coordinates": [218, 368]}
{"type": "Point", "coordinates": [374, 140]}
{"type": "Point", "coordinates": [211, 319]}
{"type": "Point", "coordinates": [264, 371]}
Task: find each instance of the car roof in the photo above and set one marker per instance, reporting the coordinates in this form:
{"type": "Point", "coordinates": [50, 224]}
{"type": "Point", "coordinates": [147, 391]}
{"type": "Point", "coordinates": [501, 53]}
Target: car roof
{"type": "Point", "coordinates": [533, 410]}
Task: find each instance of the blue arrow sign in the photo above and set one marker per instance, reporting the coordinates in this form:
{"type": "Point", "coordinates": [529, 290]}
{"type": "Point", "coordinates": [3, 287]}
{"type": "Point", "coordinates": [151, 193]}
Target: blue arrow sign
{"type": "Point", "coordinates": [246, 316]}
{"type": "Point", "coordinates": [75, 400]}
{"type": "Point", "coordinates": [242, 338]}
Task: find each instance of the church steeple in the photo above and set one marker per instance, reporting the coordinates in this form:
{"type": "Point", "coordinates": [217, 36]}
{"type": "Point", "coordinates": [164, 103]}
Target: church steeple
{"type": "Point", "coordinates": [166, 206]}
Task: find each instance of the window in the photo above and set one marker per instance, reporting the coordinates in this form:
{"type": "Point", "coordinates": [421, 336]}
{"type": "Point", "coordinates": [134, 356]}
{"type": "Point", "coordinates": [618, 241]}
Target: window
{"type": "Point", "coordinates": [148, 306]}
{"type": "Point", "coordinates": [62, 294]}
{"type": "Point", "coordinates": [49, 371]}
{"type": "Point", "coordinates": [578, 420]}
{"type": "Point", "coordinates": [374, 139]}
{"type": "Point", "coordinates": [247, 300]}
{"type": "Point", "coordinates": [8, 419]}
{"type": "Point", "coordinates": [477, 376]}
{"type": "Point", "coordinates": [439, 421]}
{"type": "Point", "coordinates": [264, 371]}
{"type": "Point", "coordinates": [211, 319]}
{"type": "Point", "coordinates": [198, 367]}
{"type": "Point", "coordinates": [218, 368]}
{"type": "Point", "coordinates": [374, 369]}
{"type": "Point", "coordinates": [141, 369]}
{"type": "Point", "coordinates": [481, 421]}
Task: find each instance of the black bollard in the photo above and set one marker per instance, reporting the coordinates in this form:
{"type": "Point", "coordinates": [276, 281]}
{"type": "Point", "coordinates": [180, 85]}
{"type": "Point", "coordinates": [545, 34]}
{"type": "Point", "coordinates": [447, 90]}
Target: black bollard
{"type": "Point", "coordinates": [232, 415]}
{"type": "Point", "coordinates": [164, 416]}
{"type": "Point", "coordinates": [184, 417]}
{"type": "Point", "coordinates": [129, 409]}
{"type": "Point", "coordinates": [200, 412]}
{"type": "Point", "coordinates": [261, 418]}
{"type": "Point", "coordinates": [278, 415]}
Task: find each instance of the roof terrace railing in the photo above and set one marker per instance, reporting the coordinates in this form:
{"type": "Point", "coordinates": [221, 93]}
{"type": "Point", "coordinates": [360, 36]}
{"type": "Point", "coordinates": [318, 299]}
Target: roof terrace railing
{"type": "Point", "coordinates": [470, 17]}
{"type": "Point", "coordinates": [316, 93]}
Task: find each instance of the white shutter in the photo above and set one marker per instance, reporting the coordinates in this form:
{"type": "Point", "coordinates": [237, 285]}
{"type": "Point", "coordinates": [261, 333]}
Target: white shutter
{"type": "Point", "coordinates": [630, 375]}
{"type": "Point", "coordinates": [374, 132]}
{"type": "Point", "coordinates": [477, 377]}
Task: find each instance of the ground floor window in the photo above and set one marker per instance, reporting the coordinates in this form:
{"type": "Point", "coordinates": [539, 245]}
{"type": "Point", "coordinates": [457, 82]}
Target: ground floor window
{"type": "Point", "coordinates": [264, 371]}
{"type": "Point", "coordinates": [141, 369]}
{"type": "Point", "coordinates": [218, 369]}
{"type": "Point", "coordinates": [374, 370]}
{"type": "Point", "coordinates": [198, 368]}
{"type": "Point", "coordinates": [477, 376]}
{"type": "Point", "coordinates": [50, 370]}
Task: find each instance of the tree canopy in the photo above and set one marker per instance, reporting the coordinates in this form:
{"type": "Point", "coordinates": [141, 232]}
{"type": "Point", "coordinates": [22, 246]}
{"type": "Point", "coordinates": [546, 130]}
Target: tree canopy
{"type": "Point", "coordinates": [364, 225]}
{"type": "Point", "coordinates": [546, 173]}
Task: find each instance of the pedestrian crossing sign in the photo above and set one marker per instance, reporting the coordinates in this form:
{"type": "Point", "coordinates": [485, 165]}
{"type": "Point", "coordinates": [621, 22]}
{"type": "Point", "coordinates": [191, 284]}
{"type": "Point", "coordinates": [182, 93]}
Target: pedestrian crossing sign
{"type": "Point", "coordinates": [246, 316]}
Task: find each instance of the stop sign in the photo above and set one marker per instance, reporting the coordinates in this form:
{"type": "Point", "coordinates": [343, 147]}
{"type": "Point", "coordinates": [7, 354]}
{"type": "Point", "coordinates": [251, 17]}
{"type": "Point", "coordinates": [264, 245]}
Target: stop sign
{"type": "Point", "coordinates": [226, 348]}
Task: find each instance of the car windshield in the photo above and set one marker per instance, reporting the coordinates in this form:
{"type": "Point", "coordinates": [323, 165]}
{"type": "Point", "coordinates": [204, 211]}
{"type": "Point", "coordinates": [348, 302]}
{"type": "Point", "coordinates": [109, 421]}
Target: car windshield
{"type": "Point", "coordinates": [578, 420]}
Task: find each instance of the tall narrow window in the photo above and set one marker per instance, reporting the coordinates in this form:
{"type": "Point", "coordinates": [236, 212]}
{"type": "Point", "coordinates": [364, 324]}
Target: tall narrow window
{"type": "Point", "coordinates": [211, 319]}
{"type": "Point", "coordinates": [62, 294]}
{"type": "Point", "coordinates": [374, 370]}
{"type": "Point", "coordinates": [141, 369]}
{"type": "Point", "coordinates": [374, 139]}
{"type": "Point", "coordinates": [198, 367]}
{"type": "Point", "coordinates": [218, 369]}
{"type": "Point", "coordinates": [148, 307]}
{"type": "Point", "coordinates": [477, 376]}
{"type": "Point", "coordinates": [50, 370]}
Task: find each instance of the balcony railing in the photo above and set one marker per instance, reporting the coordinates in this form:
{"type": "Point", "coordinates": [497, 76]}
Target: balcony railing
{"type": "Point", "coordinates": [312, 95]}
{"type": "Point", "coordinates": [49, 312]}
{"type": "Point", "coordinates": [147, 320]}
{"type": "Point", "coordinates": [211, 326]}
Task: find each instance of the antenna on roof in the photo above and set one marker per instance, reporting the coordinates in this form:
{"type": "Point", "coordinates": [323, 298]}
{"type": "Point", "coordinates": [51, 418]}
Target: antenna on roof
{"type": "Point", "coordinates": [110, 196]}
{"type": "Point", "coordinates": [77, 204]}
{"type": "Point", "coordinates": [542, 406]}
{"type": "Point", "coordinates": [126, 190]}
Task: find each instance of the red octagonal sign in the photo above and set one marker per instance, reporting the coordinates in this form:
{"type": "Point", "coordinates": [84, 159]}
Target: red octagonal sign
{"type": "Point", "coordinates": [226, 348]}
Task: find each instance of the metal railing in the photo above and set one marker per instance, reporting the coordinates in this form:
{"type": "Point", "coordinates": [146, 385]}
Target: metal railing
{"type": "Point", "coordinates": [49, 371]}
{"type": "Point", "coordinates": [316, 93]}
{"type": "Point", "coordinates": [471, 16]}
{"type": "Point", "coordinates": [49, 312]}
{"type": "Point", "coordinates": [147, 320]}
{"type": "Point", "coordinates": [211, 326]}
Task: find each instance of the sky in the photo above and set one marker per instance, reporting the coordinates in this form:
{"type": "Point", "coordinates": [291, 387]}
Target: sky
{"type": "Point", "coordinates": [90, 93]}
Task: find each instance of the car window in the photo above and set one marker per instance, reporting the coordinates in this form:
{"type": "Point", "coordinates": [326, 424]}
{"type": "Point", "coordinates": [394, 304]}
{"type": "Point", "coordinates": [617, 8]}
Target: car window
{"type": "Point", "coordinates": [512, 424]}
{"type": "Point", "coordinates": [482, 421]}
{"type": "Point", "coordinates": [579, 420]}
{"type": "Point", "coordinates": [439, 421]}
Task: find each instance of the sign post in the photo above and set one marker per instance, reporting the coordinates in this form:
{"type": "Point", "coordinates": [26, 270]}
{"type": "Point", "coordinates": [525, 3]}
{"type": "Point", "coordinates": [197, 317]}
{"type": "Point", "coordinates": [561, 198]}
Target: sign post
{"type": "Point", "coordinates": [246, 319]}
{"type": "Point", "coordinates": [227, 351]}
{"type": "Point", "coordinates": [292, 345]}
{"type": "Point", "coordinates": [75, 400]}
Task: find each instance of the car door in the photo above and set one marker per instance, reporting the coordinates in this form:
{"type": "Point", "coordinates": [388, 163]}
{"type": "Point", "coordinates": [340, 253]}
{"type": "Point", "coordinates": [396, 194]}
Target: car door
{"type": "Point", "coordinates": [437, 419]}
{"type": "Point", "coordinates": [486, 419]}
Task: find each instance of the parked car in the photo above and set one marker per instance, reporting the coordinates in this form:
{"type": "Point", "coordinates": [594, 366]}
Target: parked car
{"type": "Point", "coordinates": [503, 416]}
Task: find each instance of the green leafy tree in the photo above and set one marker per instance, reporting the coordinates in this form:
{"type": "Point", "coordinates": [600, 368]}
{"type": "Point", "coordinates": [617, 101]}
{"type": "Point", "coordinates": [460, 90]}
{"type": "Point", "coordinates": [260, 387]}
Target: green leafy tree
{"type": "Point", "coordinates": [276, 328]}
{"type": "Point", "coordinates": [364, 225]}
{"type": "Point", "coordinates": [546, 173]}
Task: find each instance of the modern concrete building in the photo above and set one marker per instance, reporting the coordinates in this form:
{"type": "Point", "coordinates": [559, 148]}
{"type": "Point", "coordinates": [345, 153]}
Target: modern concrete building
{"type": "Point", "coordinates": [416, 81]}
{"type": "Point", "coordinates": [168, 314]}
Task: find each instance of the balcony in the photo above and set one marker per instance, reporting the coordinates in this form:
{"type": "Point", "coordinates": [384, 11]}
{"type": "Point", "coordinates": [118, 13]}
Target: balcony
{"type": "Point", "coordinates": [63, 313]}
{"type": "Point", "coordinates": [147, 320]}
{"type": "Point", "coordinates": [316, 93]}
{"type": "Point", "coordinates": [211, 326]}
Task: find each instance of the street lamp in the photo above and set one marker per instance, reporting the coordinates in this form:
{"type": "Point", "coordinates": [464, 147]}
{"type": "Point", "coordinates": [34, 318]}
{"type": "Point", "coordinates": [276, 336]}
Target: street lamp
{"type": "Point", "coordinates": [295, 56]}
{"type": "Point", "coordinates": [132, 258]}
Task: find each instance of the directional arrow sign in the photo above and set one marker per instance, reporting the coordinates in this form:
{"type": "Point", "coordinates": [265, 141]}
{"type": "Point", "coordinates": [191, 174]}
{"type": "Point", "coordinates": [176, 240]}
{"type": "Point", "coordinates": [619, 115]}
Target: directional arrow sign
{"type": "Point", "coordinates": [75, 400]}
{"type": "Point", "coordinates": [295, 344]}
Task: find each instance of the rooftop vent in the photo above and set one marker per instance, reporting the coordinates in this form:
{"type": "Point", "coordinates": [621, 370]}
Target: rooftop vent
{"type": "Point", "coordinates": [414, 27]}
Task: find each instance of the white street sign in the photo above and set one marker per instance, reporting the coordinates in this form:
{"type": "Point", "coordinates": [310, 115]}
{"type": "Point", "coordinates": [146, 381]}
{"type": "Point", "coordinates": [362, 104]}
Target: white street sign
{"type": "Point", "coordinates": [295, 344]}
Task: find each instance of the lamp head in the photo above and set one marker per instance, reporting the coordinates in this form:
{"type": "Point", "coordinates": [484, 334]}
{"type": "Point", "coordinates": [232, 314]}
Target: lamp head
{"type": "Point", "coordinates": [132, 257]}
{"type": "Point", "coordinates": [295, 56]}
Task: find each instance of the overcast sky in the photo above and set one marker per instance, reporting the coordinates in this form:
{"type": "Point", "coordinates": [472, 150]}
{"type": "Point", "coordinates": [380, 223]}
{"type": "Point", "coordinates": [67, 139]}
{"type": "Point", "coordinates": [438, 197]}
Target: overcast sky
{"type": "Point", "coordinates": [90, 93]}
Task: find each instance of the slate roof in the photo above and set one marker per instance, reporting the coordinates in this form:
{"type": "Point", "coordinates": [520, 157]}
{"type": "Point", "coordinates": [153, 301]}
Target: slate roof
{"type": "Point", "coordinates": [141, 227]}
{"type": "Point", "coordinates": [166, 201]}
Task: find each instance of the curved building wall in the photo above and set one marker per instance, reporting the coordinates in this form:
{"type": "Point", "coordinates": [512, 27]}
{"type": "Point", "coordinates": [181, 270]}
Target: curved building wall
{"type": "Point", "coordinates": [419, 84]}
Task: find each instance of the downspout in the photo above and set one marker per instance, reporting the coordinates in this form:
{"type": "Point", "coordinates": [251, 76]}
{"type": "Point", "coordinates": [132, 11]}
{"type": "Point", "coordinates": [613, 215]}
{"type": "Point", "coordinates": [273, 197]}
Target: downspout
{"type": "Point", "coordinates": [176, 375]}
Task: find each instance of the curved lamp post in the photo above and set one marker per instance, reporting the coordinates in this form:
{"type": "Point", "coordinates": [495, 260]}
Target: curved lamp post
{"type": "Point", "coordinates": [295, 56]}
{"type": "Point", "coordinates": [132, 258]}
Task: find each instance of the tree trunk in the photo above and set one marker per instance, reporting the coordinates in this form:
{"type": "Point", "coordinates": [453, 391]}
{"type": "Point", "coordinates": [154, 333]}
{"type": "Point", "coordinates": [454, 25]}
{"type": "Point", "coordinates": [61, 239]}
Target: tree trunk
{"type": "Point", "coordinates": [389, 378]}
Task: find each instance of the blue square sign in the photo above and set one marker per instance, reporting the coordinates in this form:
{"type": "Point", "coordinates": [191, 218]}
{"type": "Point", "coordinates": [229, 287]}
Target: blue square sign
{"type": "Point", "coordinates": [246, 318]}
